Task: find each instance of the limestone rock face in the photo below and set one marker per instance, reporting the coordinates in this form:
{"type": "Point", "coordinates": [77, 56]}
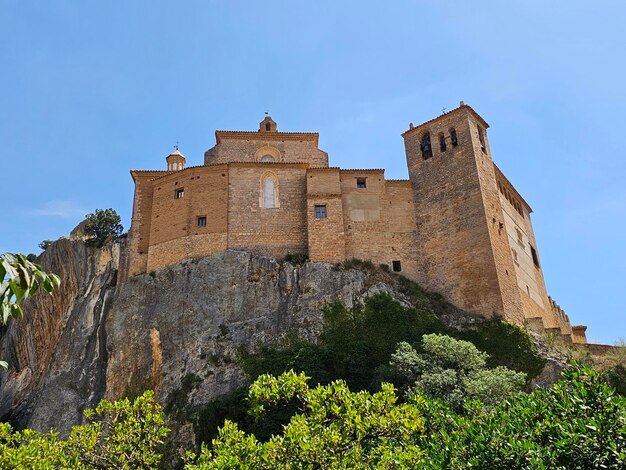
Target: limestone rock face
{"type": "Point", "coordinates": [101, 336]}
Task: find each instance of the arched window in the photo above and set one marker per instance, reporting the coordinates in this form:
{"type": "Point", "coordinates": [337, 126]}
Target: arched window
{"type": "Point", "coordinates": [267, 158]}
{"type": "Point", "coordinates": [269, 191]}
{"type": "Point", "coordinates": [426, 147]}
{"type": "Point", "coordinates": [442, 142]}
{"type": "Point", "coordinates": [453, 137]}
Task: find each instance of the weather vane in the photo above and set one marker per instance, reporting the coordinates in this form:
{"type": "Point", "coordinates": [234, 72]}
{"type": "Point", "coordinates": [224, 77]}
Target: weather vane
{"type": "Point", "coordinates": [267, 113]}
{"type": "Point", "coordinates": [176, 146]}
{"type": "Point", "coordinates": [443, 110]}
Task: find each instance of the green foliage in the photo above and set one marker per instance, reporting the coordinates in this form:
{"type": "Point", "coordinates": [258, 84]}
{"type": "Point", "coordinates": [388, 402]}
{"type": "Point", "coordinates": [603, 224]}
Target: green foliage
{"type": "Point", "coordinates": [102, 224]}
{"type": "Point", "coordinates": [44, 245]}
{"type": "Point", "coordinates": [356, 345]}
{"type": "Point", "coordinates": [119, 434]}
{"type": "Point", "coordinates": [453, 371]}
{"type": "Point", "coordinates": [20, 279]}
{"type": "Point", "coordinates": [507, 345]}
{"type": "Point", "coordinates": [335, 428]}
{"type": "Point", "coordinates": [354, 263]}
{"type": "Point", "coordinates": [579, 423]}
{"type": "Point", "coordinates": [296, 258]}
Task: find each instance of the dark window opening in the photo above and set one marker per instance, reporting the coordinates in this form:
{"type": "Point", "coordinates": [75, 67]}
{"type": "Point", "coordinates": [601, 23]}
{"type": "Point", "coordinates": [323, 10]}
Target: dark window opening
{"type": "Point", "coordinates": [320, 211]}
{"type": "Point", "coordinates": [442, 143]}
{"type": "Point", "coordinates": [426, 147]}
{"type": "Point", "coordinates": [202, 221]}
{"type": "Point", "coordinates": [533, 252]}
{"type": "Point", "coordinates": [268, 126]}
{"type": "Point", "coordinates": [179, 193]}
{"type": "Point", "coordinates": [453, 137]}
{"type": "Point", "coordinates": [481, 138]}
{"type": "Point", "coordinates": [397, 266]}
{"type": "Point", "coordinates": [361, 182]}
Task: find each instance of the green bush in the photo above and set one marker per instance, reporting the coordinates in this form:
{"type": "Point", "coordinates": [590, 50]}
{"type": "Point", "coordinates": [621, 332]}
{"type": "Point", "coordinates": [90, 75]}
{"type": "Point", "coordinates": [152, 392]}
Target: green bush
{"type": "Point", "coordinates": [296, 258]}
{"type": "Point", "coordinates": [120, 434]}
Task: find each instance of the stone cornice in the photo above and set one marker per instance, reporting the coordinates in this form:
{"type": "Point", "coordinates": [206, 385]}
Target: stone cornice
{"type": "Point", "coordinates": [266, 136]}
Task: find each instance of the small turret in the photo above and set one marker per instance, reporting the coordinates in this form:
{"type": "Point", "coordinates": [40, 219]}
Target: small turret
{"type": "Point", "coordinates": [267, 125]}
{"type": "Point", "coordinates": [175, 161]}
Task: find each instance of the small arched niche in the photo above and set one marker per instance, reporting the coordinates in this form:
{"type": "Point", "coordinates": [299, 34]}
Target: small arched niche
{"type": "Point", "coordinates": [267, 154]}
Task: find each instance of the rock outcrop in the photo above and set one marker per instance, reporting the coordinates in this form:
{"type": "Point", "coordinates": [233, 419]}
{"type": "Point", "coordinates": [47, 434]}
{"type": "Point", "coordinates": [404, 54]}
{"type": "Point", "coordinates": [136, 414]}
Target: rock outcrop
{"type": "Point", "coordinates": [101, 336]}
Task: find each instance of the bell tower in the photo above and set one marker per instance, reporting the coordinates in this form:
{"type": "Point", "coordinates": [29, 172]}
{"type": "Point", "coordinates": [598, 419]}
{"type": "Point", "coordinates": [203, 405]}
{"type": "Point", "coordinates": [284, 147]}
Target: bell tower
{"type": "Point", "coordinates": [463, 252]}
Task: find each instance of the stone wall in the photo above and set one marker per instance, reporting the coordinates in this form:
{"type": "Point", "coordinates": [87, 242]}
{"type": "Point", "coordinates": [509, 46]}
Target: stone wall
{"type": "Point", "coordinates": [245, 146]}
{"type": "Point", "coordinates": [271, 231]}
{"type": "Point", "coordinates": [455, 256]}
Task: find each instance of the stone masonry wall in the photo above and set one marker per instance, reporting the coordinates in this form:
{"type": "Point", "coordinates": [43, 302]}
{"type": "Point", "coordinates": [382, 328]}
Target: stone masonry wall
{"type": "Point", "coordinates": [326, 237]}
{"type": "Point", "coordinates": [454, 250]}
{"type": "Point", "coordinates": [269, 231]}
{"type": "Point", "coordinates": [291, 151]}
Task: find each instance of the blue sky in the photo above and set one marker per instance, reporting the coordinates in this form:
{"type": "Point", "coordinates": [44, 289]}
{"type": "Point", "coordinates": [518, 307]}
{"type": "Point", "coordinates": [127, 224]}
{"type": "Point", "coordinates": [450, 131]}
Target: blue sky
{"type": "Point", "coordinates": [89, 90]}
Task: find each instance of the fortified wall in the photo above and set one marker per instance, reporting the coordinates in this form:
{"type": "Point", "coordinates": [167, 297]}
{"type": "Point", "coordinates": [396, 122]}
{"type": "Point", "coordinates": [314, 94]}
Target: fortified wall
{"type": "Point", "coordinates": [456, 226]}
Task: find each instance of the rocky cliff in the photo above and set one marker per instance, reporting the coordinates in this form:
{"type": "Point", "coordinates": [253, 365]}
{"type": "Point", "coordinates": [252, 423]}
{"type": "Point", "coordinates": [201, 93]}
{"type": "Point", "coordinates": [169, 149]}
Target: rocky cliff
{"type": "Point", "coordinates": [103, 336]}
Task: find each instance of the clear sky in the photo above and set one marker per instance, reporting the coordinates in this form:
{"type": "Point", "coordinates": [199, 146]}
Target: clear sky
{"type": "Point", "coordinates": [89, 90]}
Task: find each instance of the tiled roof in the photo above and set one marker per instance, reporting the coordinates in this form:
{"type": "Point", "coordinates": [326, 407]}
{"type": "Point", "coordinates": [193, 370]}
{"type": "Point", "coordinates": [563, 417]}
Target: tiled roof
{"type": "Point", "coordinates": [257, 135]}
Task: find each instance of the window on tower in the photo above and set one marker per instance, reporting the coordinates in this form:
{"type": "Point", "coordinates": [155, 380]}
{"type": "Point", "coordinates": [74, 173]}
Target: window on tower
{"type": "Point", "coordinates": [179, 193]}
{"type": "Point", "coordinates": [481, 138]}
{"type": "Point", "coordinates": [426, 147]}
{"type": "Point", "coordinates": [453, 138]}
{"type": "Point", "coordinates": [361, 182]}
{"type": "Point", "coordinates": [442, 142]}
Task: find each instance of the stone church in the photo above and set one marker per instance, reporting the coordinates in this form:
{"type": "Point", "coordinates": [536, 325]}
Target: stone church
{"type": "Point", "coordinates": [456, 226]}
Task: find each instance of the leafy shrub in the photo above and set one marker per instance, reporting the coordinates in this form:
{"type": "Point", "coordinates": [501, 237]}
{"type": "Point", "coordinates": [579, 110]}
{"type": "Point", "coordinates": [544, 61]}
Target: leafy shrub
{"type": "Point", "coordinates": [453, 371]}
{"type": "Point", "coordinates": [120, 434]}
{"type": "Point", "coordinates": [296, 258]}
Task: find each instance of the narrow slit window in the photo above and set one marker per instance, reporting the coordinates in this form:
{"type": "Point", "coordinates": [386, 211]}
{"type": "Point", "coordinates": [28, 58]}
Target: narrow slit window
{"type": "Point", "coordinates": [533, 252]}
{"type": "Point", "coordinates": [396, 265]}
{"type": "Point", "coordinates": [361, 182]}
{"type": "Point", "coordinates": [442, 143]}
{"type": "Point", "coordinates": [320, 211]}
{"type": "Point", "coordinates": [268, 127]}
{"type": "Point", "coordinates": [201, 221]}
{"type": "Point", "coordinates": [481, 138]}
{"type": "Point", "coordinates": [179, 193]}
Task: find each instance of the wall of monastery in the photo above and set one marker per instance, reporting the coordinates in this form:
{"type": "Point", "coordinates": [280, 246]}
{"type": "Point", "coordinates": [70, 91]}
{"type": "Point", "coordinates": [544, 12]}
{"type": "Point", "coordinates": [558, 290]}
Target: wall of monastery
{"type": "Point", "coordinates": [326, 236]}
{"type": "Point", "coordinates": [139, 236]}
{"type": "Point", "coordinates": [290, 149]}
{"type": "Point", "coordinates": [174, 230]}
{"type": "Point", "coordinates": [271, 231]}
{"type": "Point", "coordinates": [379, 220]}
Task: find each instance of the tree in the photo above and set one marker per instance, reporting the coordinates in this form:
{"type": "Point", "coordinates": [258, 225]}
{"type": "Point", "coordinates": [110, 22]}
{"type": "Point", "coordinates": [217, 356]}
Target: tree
{"type": "Point", "coordinates": [453, 371]}
{"type": "Point", "coordinates": [102, 224]}
{"type": "Point", "coordinates": [20, 279]}
{"type": "Point", "coordinates": [336, 428]}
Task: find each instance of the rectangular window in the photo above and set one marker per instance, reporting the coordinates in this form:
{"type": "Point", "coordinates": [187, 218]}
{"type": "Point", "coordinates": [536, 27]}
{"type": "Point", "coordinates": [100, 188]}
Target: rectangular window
{"type": "Point", "coordinates": [361, 182]}
{"type": "Point", "coordinates": [179, 193]}
{"type": "Point", "coordinates": [320, 211]}
{"type": "Point", "coordinates": [202, 221]}
{"type": "Point", "coordinates": [397, 266]}
{"type": "Point", "coordinates": [533, 252]}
